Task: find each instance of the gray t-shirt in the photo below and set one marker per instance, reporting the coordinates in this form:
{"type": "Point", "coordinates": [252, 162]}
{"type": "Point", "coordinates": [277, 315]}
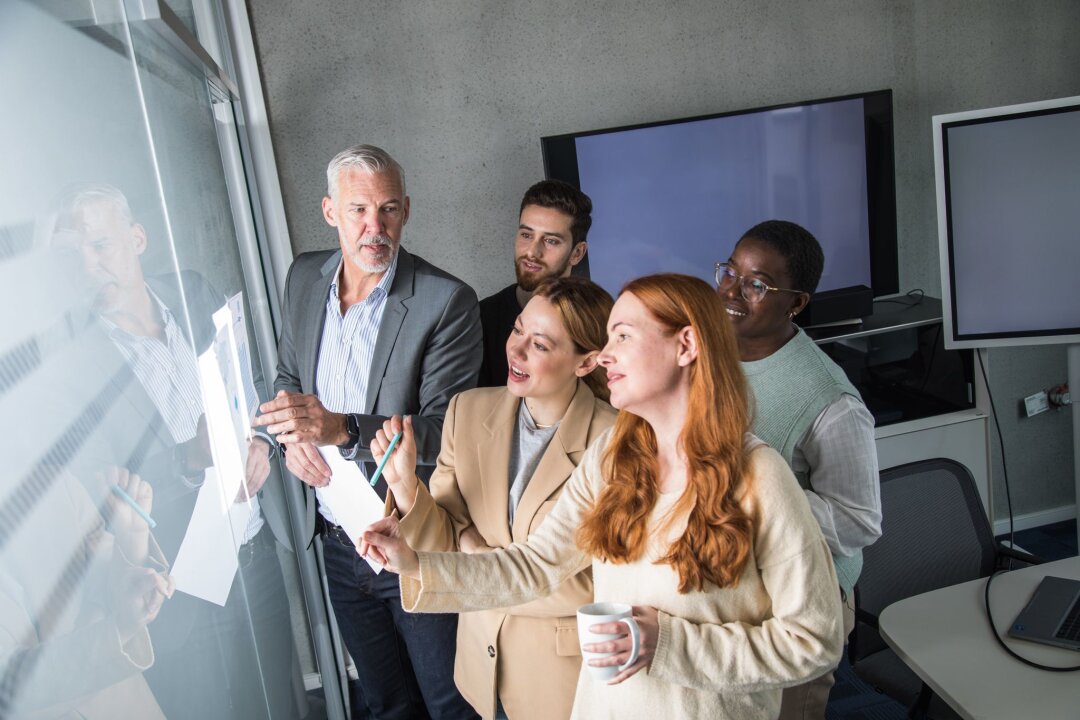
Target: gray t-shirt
{"type": "Point", "coordinates": [528, 447]}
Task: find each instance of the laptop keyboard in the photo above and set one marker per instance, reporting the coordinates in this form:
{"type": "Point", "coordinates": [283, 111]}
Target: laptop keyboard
{"type": "Point", "coordinates": [1070, 626]}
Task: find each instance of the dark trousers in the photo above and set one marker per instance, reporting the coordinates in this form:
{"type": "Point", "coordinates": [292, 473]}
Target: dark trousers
{"type": "Point", "coordinates": [234, 662]}
{"type": "Point", "coordinates": [404, 661]}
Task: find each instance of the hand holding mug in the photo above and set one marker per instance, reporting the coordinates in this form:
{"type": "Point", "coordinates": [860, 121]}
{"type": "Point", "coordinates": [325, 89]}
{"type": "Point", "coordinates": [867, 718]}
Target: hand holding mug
{"type": "Point", "coordinates": [617, 640]}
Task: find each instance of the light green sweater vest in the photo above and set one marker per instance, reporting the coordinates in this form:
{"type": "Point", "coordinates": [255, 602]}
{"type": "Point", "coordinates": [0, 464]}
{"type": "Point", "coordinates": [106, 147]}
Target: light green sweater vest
{"type": "Point", "coordinates": [791, 388]}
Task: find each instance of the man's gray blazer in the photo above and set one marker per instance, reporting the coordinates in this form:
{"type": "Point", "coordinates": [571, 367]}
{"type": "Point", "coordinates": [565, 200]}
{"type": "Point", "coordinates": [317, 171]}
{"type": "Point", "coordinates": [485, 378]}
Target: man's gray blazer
{"type": "Point", "coordinates": [427, 349]}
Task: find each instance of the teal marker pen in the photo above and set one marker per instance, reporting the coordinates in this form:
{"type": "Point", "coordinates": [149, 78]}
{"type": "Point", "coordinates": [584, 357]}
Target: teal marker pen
{"type": "Point", "coordinates": [119, 492]}
{"type": "Point", "coordinates": [382, 463]}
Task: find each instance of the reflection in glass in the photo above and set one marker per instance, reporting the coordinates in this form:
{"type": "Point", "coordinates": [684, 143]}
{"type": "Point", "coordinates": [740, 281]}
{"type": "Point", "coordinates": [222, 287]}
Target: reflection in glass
{"type": "Point", "coordinates": [117, 245]}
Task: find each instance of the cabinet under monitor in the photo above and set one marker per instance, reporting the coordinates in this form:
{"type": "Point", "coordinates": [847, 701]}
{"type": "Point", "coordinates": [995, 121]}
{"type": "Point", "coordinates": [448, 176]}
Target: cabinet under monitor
{"type": "Point", "coordinates": [897, 360]}
{"type": "Point", "coordinates": [925, 399]}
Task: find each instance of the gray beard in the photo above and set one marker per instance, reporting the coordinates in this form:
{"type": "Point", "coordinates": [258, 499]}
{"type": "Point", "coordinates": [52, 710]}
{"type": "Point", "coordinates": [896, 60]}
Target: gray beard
{"type": "Point", "coordinates": [354, 258]}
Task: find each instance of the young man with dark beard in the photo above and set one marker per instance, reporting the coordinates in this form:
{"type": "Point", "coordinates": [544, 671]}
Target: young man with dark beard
{"type": "Point", "coordinates": [552, 225]}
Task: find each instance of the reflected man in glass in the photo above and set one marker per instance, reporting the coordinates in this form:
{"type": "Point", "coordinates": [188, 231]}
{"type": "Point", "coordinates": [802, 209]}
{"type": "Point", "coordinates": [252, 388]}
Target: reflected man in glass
{"type": "Point", "coordinates": [211, 662]}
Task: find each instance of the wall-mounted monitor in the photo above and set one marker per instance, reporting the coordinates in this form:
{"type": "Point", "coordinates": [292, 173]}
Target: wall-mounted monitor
{"type": "Point", "coordinates": [1008, 200]}
{"type": "Point", "coordinates": [676, 196]}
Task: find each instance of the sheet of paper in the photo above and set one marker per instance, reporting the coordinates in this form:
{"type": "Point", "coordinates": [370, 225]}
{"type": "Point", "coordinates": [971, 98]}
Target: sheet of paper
{"type": "Point", "coordinates": [226, 420]}
{"type": "Point", "coordinates": [228, 360]}
{"type": "Point", "coordinates": [238, 332]}
{"type": "Point", "coordinates": [206, 562]}
{"type": "Point", "coordinates": [352, 500]}
{"type": "Point", "coordinates": [238, 374]}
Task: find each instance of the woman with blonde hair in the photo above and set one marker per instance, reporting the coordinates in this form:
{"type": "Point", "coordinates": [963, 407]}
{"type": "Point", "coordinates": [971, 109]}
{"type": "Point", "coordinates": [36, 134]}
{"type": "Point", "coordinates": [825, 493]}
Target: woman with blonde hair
{"type": "Point", "coordinates": [681, 513]}
{"type": "Point", "coordinates": [506, 454]}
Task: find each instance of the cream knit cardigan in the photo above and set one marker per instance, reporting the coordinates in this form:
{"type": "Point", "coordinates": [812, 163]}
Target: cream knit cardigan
{"type": "Point", "coordinates": [721, 652]}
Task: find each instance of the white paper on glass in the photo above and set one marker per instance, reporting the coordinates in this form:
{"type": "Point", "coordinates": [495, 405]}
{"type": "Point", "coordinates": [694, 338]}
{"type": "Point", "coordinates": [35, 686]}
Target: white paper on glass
{"type": "Point", "coordinates": [352, 500]}
{"type": "Point", "coordinates": [246, 383]}
{"type": "Point", "coordinates": [232, 375]}
{"type": "Point", "coordinates": [243, 396]}
{"type": "Point", "coordinates": [207, 560]}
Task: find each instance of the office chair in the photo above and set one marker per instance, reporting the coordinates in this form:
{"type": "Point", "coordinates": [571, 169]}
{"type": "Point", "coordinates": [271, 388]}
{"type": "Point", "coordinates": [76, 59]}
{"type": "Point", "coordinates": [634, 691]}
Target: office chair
{"type": "Point", "coordinates": [934, 534]}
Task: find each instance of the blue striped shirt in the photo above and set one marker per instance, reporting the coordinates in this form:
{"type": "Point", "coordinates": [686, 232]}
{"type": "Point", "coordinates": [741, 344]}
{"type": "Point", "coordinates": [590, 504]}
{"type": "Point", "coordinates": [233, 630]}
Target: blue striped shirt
{"type": "Point", "coordinates": [345, 352]}
{"type": "Point", "coordinates": [166, 369]}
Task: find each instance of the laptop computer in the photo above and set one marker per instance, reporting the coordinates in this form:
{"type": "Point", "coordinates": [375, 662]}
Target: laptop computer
{"type": "Point", "coordinates": [1052, 616]}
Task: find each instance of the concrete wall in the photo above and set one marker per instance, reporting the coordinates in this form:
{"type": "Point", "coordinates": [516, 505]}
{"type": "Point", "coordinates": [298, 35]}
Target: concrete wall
{"type": "Point", "coordinates": [461, 92]}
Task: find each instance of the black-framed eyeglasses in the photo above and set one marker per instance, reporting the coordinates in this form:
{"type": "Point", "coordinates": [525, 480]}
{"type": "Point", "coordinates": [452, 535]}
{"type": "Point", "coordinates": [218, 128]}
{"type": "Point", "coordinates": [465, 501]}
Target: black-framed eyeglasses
{"type": "Point", "coordinates": [752, 289]}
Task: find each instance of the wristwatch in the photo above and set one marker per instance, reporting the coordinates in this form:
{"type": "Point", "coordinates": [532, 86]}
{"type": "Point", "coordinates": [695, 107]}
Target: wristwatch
{"type": "Point", "coordinates": [353, 428]}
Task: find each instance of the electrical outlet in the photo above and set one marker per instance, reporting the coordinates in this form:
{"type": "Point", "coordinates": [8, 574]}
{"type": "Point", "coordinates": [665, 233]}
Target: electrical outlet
{"type": "Point", "coordinates": [1059, 396]}
{"type": "Point", "coordinates": [1035, 404]}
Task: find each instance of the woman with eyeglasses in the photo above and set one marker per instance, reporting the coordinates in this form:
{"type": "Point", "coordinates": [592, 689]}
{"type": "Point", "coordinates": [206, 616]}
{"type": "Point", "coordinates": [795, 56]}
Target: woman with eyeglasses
{"type": "Point", "coordinates": [805, 407]}
{"type": "Point", "coordinates": [680, 513]}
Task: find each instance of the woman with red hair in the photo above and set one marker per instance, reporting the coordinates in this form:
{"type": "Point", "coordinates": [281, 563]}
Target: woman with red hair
{"type": "Point", "coordinates": [681, 513]}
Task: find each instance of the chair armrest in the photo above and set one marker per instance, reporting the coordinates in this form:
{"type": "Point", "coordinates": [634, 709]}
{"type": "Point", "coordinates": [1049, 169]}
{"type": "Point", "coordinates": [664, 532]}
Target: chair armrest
{"type": "Point", "coordinates": [1014, 554]}
{"type": "Point", "coordinates": [866, 617]}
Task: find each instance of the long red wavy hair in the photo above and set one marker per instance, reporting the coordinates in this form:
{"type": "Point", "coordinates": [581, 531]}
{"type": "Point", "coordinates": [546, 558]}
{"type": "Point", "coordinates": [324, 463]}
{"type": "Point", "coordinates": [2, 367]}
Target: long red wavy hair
{"type": "Point", "coordinates": [716, 543]}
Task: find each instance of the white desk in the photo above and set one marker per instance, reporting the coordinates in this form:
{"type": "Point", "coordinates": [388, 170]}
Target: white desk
{"type": "Point", "coordinates": [943, 636]}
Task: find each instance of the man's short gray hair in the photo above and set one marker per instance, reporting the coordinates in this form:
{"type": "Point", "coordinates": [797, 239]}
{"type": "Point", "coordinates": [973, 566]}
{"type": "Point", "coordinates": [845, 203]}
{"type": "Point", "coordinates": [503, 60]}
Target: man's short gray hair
{"type": "Point", "coordinates": [366, 158]}
{"type": "Point", "coordinates": [79, 196]}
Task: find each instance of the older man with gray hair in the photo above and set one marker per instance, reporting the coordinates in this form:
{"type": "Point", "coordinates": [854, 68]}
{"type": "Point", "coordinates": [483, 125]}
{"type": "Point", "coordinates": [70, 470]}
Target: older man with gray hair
{"type": "Point", "coordinates": [143, 337]}
{"type": "Point", "coordinates": [371, 330]}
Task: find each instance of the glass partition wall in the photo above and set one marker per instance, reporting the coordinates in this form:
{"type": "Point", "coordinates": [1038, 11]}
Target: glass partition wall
{"type": "Point", "coordinates": [147, 562]}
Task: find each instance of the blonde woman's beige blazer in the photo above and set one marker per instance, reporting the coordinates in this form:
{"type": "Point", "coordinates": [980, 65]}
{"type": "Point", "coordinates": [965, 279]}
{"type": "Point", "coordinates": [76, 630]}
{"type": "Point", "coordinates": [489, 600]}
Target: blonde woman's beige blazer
{"type": "Point", "coordinates": [526, 655]}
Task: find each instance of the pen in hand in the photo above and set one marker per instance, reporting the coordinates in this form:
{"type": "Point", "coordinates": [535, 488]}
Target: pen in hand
{"type": "Point", "coordinates": [120, 493]}
{"type": "Point", "coordinates": [386, 457]}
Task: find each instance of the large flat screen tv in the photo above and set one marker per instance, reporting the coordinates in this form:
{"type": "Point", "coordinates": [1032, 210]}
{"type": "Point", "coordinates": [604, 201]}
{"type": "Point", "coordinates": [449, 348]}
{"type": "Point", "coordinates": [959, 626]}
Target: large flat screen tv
{"type": "Point", "coordinates": [1008, 200]}
{"type": "Point", "coordinates": [675, 196]}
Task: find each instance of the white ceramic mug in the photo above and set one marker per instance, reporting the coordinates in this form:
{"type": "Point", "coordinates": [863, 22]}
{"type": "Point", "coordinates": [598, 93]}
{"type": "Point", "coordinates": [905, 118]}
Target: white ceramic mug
{"type": "Point", "coordinates": [598, 614]}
